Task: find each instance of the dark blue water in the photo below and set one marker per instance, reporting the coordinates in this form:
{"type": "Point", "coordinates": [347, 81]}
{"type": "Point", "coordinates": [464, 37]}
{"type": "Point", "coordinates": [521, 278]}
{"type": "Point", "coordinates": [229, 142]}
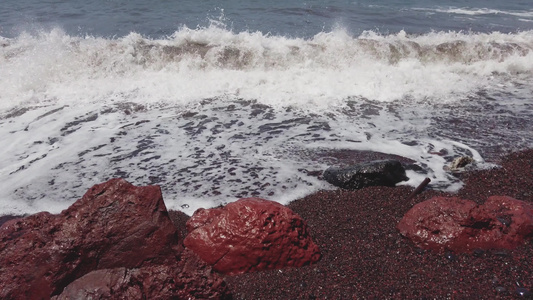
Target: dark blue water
{"type": "Point", "coordinates": [288, 18]}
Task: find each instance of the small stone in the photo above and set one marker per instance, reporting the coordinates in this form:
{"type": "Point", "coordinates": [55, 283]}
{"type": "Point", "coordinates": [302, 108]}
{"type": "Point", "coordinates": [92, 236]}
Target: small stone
{"type": "Point", "coordinates": [450, 256]}
{"type": "Point", "coordinates": [460, 163]}
{"type": "Point", "coordinates": [420, 251]}
{"type": "Point", "coordinates": [500, 289]}
{"type": "Point", "coordinates": [478, 252]}
{"type": "Point", "coordinates": [523, 292]}
{"type": "Point", "coordinates": [502, 253]}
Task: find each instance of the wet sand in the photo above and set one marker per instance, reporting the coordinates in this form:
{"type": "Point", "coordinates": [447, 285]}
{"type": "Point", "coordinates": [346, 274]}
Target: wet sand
{"type": "Point", "coordinates": [365, 257]}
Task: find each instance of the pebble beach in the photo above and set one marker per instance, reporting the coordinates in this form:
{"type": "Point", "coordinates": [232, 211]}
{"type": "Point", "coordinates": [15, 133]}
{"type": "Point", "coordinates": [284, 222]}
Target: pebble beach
{"type": "Point", "coordinates": [365, 257]}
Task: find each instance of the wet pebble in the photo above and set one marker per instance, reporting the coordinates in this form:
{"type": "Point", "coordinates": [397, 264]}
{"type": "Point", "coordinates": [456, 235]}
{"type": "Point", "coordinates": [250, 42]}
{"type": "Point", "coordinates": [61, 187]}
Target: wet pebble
{"type": "Point", "coordinates": [420, 251]}
{"type": "Point", "coordinates": [450, 256]}
{"type": "Point", "coordinates": [500, 289]}
{"type": "Point", "coordinates": [478, 252]}
{"type": "Point", "coordinates": [523, 292]}
{"type": "Point", "coordinates": [501, 253]}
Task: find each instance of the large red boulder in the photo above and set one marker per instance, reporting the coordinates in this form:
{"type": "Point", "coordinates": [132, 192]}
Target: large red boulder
{"type": "Point", "coordinates": [250, 234]}
{"type": "Point", "coordinates": [114, 225]}
{"type": "Point", "coordinates": [186, 278]}
{"type": "Point", "coordinates": [462, 226]}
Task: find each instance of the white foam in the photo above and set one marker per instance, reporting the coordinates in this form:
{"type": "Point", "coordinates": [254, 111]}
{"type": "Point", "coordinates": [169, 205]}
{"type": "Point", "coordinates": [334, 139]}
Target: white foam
{"type": "Point", "coordinates": [200, 110]}
{"type": "Point", "coordinates": [213, 62]}
{"type": "Point", "coordinates": [479, 11]}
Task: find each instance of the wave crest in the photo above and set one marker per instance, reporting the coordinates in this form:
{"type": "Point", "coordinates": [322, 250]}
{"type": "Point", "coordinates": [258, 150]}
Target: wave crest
{"type": "Point", "coordinates": [216, 48]}
{"type": "Point", "coordinates": [212, 62]}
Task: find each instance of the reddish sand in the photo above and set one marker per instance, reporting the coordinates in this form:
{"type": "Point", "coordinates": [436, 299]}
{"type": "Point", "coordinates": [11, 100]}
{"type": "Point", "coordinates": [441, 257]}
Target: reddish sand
{"type": "Point", "coordinates": [365, 257]}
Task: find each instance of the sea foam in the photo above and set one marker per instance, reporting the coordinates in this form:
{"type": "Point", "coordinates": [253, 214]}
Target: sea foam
{"type": "Point", "coordinates": [212, 115]}
{"type": "Point", "coordinates": [203, 63]}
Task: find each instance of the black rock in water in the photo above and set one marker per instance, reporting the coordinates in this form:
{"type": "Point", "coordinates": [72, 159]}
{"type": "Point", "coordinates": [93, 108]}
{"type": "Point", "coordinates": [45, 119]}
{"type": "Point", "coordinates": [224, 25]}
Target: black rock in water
{"type": "Point", "coordinates": [374, 173]}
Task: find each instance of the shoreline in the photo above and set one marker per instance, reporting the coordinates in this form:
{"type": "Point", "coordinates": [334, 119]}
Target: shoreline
{"type": "Point", "coordinates": [364, 255]}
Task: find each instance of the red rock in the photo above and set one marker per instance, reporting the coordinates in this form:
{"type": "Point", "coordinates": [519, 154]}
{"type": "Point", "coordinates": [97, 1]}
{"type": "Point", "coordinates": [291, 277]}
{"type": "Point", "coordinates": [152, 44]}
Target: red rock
{"type": "Point", "coordinates": [4, 219]}
{"type": "Point", "coordinates": [187, 278]}
{"type": "Point", "coordinates": [115, 224]}
{"type": "Point", "coordinates": [462, 226]}
{"type": "Point", "coordinates": [511, 222]}
{"type": "Point", "coordinates": [250, 234]}
{"type": "Point", "coordinates": [435, 223]}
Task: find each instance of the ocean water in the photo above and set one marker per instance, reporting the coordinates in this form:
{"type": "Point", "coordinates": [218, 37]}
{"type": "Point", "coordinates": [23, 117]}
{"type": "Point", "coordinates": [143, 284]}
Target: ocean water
{"type": "Point", "coordinates": [217, 100]}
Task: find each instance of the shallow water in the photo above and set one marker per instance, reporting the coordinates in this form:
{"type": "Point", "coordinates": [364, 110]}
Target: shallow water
{"type": "Point", "coordinates": [245, 99]}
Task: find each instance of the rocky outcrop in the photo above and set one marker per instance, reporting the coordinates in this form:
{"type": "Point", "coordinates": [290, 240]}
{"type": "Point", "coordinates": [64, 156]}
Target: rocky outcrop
{"type": "Point", "coordinates": [250, 234]}
{"type": "Point", "coordinates": [375, 173]}
{"type": "Point", "coordinates": [115, 225]}
{"type": "Point", "coordinates": [461, 226]}
{"type": "Point", "coordinates": [186, 278]}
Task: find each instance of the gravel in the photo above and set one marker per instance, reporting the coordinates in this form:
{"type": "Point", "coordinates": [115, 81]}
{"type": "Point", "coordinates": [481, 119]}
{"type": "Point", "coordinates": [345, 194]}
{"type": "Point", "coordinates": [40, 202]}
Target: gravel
{"type": "Point", "coordinates": [365, 257]}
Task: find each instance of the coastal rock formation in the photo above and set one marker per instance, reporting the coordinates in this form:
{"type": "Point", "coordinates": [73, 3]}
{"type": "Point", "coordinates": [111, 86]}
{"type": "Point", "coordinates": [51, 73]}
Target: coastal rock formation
{"type": "Point", "coordinates": [250, 234]}
{"type": "Point", "coordinates": [186, 278]}
{"type": "Point", "coordinates": [375, 173]}
{"type": "Point", "coordinates": [462, 226]}
{"type": "Point", "coordinates": [114, 225]}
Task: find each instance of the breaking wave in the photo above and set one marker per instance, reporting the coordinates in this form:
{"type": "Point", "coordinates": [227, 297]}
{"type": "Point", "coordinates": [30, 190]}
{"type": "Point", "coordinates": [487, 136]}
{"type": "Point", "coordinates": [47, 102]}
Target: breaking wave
{"type": "Point", "coordinates": [211, 115]}
{"type": "Point", "coordinates": [203, 63]}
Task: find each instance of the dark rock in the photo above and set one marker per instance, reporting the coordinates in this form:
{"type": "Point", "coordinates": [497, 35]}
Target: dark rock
{"type": "Point", "coordinates": [450, 256]}
{"type": "Point", "coordinates": [462, 226]}
{"type": "Point", "coordinates": [187, 278]}
{"type": "Point", "coordinates": [478, 252]}
{"type": "Point", "coordinates": [6, 218]}
{"type": "Point", "coordinates": [250, 234]}
{"type": "Point", "coordinates": [115, 224]}
{"type": "Point", "coordinates": [375, 173]}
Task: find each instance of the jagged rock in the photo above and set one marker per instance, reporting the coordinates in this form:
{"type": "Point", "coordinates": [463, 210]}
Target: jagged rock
{"type": "Point", "coordinates": [250, 234]}
{"type": "Point", "coordinates": [115, 224]}
{"type": "Point", "coordinates": [186, 278]}
{"type": "Point", "coordinates": [375, 173]}
{"type": "Point", "coordinates": [462, 226]}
